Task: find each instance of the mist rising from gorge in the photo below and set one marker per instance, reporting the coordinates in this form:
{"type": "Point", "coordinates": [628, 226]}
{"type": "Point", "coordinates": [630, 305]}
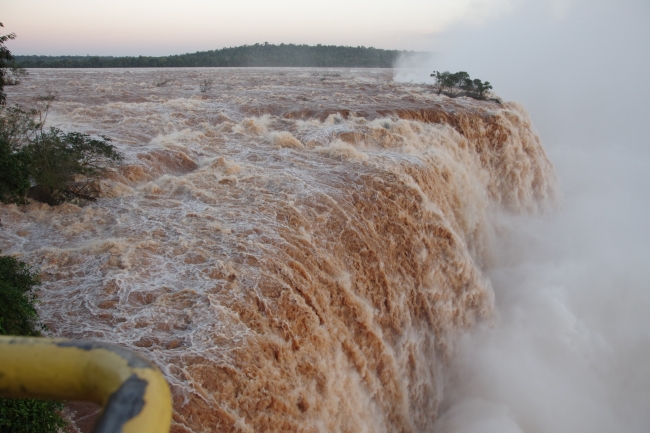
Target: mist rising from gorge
{"type": "Point", "coordinates": [568, 348]}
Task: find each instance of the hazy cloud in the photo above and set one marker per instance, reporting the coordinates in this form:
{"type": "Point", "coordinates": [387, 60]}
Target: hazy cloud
{"type": "Point", "coordinates": [560, 8]}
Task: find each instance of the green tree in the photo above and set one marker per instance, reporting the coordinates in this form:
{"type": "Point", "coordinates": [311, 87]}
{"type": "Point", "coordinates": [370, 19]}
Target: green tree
{"type": "Point", "coordinates": [26, 415]}
{"type": "Point", "coordinates": [5, 58]}
{"type": "Point", "coordinates": [482, 87]}
{"type": "Point", "coordinates": [14, 174]}
{"type": "Point", "coordinates": [17, 300]}
{"type": "Point", "coordinates": [439, 78]}
{"type": "Point", "coordinates": [16, 126]}
{"type": "Point", "coordinates": [460, 84]}
{"type": "Point", "coordinates": [49, 165]}
{"type": "Point", "coordinates": [18, 316]}
{"type": "Point", "coordinates": [64, 165]}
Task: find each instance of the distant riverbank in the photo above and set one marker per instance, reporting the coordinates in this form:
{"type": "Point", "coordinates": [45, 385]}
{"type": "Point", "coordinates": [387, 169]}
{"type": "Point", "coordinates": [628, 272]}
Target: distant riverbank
{"type": "Point", "coordinates": [258, 55]}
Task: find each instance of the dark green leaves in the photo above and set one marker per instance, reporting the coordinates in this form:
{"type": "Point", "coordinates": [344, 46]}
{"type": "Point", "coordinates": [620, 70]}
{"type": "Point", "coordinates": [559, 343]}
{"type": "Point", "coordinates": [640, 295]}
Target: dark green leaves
{"type": "Point", "coordinates": [18, 316]}
{"type": "Point", "coordinates": [5, 58]}
{"type": "Point", "coordinates": [17, 300]}
{"type": "Point", "coordinates": [14, 174]}
{"type": "Point", "coordinates": [30, 416]}
{"type": "Point", "coordinates": [460, 84]}
{"type": "Point", "coordinates": [51, 165]}
{"type": "Point", "coordinates": [63, 165]}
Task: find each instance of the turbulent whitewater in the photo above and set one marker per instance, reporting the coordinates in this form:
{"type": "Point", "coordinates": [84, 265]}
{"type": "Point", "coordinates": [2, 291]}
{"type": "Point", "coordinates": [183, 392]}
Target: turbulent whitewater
{"type": "Point", "coordinates": [295, 249]}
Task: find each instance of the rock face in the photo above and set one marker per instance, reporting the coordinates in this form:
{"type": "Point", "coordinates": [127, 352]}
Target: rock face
{"type": "Point", "coordinates": [296, 249]}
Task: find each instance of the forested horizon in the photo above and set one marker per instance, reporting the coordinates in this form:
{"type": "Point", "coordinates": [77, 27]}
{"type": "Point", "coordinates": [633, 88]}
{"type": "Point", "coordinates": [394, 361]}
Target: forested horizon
{"type": "Point", "coordinates": [258, 55]}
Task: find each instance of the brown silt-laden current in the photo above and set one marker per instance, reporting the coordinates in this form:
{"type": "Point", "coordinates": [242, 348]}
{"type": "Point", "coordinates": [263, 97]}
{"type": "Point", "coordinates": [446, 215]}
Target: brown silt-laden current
{"type": "Point", "coordinates": [295, 249]}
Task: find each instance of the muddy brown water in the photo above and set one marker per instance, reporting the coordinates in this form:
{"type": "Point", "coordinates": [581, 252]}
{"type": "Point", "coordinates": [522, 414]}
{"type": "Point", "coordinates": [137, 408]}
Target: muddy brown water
{"type": "Point", "coordinates": [296, 249]}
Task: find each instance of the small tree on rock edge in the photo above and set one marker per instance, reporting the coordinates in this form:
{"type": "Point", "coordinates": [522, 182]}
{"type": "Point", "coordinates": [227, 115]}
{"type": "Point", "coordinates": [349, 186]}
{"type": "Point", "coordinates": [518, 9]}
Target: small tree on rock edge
{"type": "Point", "coordinates": [460, 84]}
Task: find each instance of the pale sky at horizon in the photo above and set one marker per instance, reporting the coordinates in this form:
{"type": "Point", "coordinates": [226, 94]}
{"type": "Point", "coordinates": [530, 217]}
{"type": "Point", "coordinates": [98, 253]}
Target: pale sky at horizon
{"type": "Point", "coordinates": [164, 27]}
{"type": "Point", "coordinates": [554, 56]}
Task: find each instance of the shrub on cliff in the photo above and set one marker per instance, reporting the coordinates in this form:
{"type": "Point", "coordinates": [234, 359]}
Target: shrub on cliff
{"type": "Point", "coordinates": [460, 84]}
{"type": "Point", "coordinates": [66, 165]}
{"type": "Point", "coordinates": [18, 316]}
{"type": "Point", "coordinates": [49, 165]}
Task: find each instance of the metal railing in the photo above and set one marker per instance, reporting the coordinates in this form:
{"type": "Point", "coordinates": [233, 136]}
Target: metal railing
{"type": "Point", "coordinates": [133, 393]}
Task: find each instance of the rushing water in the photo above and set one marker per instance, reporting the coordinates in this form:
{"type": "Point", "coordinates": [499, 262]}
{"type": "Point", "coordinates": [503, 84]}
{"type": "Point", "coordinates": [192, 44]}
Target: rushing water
{"type": "Point", "coordinates": [297, 250]}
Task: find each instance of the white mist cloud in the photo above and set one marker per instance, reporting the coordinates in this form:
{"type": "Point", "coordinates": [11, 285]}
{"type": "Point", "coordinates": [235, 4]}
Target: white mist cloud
{"type": "Point", "coordinates": [438, 16]}
{"type": "Point", "coordinates": [560, 8]}
{"type": "Point", "coordinates": [568, 351]}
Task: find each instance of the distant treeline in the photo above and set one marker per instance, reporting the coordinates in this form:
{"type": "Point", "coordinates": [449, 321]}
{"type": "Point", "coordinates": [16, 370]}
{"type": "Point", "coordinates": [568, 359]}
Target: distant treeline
{"type": "Point", "coordinates": [283, 55]}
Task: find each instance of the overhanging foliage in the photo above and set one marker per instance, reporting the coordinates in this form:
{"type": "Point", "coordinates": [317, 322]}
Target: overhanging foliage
{"type": "Point", "coordinates": [49, 165]}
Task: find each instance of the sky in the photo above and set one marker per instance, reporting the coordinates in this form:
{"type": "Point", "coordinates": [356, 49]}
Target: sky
{"type": "Point", "coordinates": [163, 27]}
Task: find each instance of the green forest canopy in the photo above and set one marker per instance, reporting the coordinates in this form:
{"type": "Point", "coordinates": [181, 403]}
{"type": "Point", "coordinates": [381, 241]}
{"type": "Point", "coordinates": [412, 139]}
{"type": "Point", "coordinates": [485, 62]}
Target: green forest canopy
{"type": "Point", "coordinates": [260, 55]}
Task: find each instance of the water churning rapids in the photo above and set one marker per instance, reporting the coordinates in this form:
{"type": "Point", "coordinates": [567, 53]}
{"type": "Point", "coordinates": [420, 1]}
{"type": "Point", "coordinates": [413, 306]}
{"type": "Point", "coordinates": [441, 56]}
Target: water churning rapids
{"type": "Point", "coordinates": [296, 249]}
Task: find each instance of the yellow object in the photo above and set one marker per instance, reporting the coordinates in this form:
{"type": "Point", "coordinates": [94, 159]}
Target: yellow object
{"type": "Point", "coordinates": [133, 393]}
